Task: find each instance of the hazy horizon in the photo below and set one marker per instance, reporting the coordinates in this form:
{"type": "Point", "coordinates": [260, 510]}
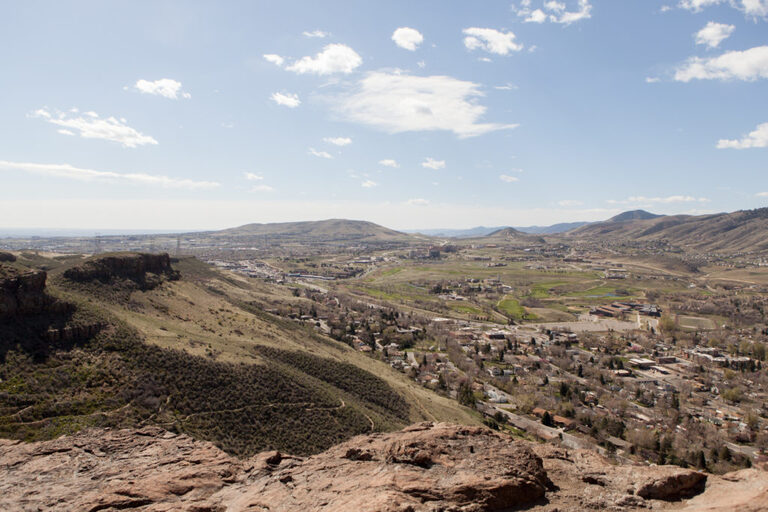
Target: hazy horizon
{"type": "Point", "coordinates": [192, 115]}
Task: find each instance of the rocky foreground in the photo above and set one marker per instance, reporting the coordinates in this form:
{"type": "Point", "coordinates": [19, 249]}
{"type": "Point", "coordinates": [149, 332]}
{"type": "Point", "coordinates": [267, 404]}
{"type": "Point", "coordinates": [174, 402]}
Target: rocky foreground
{"type": "Point", "coordinates": [427, 467]}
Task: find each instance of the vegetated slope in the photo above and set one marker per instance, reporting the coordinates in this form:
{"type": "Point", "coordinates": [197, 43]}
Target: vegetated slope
{"type": "Point", "coordinates": [182, 355]}
{"type": "Point", "coordinates": [745, 230]}
{"type": "Point", "coordinates": [325, 231]}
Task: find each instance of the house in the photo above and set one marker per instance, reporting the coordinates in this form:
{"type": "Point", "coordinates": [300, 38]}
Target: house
{"type": "Point", "coordinates": [642, 363]}
{"type": "Point", "coordinates": [566, 423]}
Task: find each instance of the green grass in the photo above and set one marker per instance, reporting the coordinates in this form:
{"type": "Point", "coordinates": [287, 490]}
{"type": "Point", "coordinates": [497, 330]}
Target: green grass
{"type": "Point", "coordinates": [512, 308]}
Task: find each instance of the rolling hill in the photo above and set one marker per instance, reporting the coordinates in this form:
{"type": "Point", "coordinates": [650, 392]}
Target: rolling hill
{"type": "Point", "coordinates": [331, 230]}
{"type": "Point", "coordinates": [745, 230]}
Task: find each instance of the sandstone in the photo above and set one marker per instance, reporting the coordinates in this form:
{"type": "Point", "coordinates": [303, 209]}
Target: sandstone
{"type": "Point", "coordinates": [22, 293]}
{"type": "Point", "coordinates": [148, 270]}
{"type": "Point", "coordinates": [425, 467]}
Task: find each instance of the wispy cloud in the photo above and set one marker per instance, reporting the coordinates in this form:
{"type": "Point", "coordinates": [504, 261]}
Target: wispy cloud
{"type": "Point", "coordinates": [369, 184]}
{"type": "Point", "coordinates": [316, 34]}
{"type": "Point", "coordinates": [338, 141]}
{"type": "Point", "coordinates": [638, 200]}
{"type": "Point", "coordinates": [431, 163]}
{"type": "Point", "coordinates": [335, 58]}
{"type": "Point", "coordinates": [568, 203]}
{"type": "Point", "coordinates": [398, 102]}
{"type": "Point", "coordinates": [252, 177]}
{"type": "Point", "coordinates": [491, 40]}
{"type": "Point", "coordinates": [407, 38]}
{"type": "Point", "coordinates": [758, 138]}
{"type": "Point", "coordinates": [262, 188]}
{"type": "Point", "coordinates": [165, 87]}
{"type": "Point", "coordinates": [762, 194]}
{"type": "Point", "coordinates": [287, 100]}
{"type": "Point", "coordinates": [76, 173]}
{"type": "Point", "coordinates": [750, 8]}
{"type": "Point", "coordinates": [320, 154]}
{"type": "Point", "coordinates": [90, 126]}
{"type": "Point", "coordinates": [554, 12]}
{"type": "Point", "coordinates": [508, 179]}
{"type": "Point", "coordinates": [388, 162]}
{"type": "Point", "coordinates": [418, 202]}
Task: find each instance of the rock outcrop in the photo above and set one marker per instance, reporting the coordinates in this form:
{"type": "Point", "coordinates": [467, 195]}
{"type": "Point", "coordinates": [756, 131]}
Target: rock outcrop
{"type": "Point", "coordinates": [146, 270]}
{"type": "Point", "coordinates": [22, 293]}
{"type": "Point", "coordinates": [426, 467]}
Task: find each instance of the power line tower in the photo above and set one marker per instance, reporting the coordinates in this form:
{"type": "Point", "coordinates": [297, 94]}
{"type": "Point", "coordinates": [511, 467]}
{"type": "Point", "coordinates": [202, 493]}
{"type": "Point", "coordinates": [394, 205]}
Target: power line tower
{"type": "Point", "coordinates": [178, 246]}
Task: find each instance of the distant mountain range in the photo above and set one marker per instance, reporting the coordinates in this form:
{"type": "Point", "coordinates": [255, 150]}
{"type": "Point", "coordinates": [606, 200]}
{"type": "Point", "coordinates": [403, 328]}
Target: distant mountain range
{"type": "Point", "coordinates": [480, 231]}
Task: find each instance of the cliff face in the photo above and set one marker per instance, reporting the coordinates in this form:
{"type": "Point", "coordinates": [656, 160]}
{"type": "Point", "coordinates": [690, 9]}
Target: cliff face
{"type": "Point", "coordinates": [22, 293]}
{"type": "Point", "coordinates": [146, 270]}
{"type": "Point", "coordinates": [426, 467]}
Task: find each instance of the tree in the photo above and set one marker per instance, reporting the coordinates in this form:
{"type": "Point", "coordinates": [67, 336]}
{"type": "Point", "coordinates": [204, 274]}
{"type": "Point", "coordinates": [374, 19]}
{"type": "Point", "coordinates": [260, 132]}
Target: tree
{"type": "Point", "coordinates": [465, 394]}
{"type": "Point", "coordinates": [546, 420]}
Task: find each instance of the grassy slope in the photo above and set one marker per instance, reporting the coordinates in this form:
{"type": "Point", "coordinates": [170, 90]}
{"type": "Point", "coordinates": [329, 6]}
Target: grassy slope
{"type": "Point", "coordinates": [174, 356]}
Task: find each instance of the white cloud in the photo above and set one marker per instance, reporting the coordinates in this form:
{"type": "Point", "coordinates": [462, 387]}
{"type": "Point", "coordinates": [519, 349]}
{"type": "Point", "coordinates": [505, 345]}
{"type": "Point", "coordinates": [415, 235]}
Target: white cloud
{"type": "Point", "coordinates": [509, 86]}
{"type": "Point", "coordinates": [252, 177]}
{"type": "Point", "coordinates": [762, 194]}
{"type": "Point", "coordinates": [369, 184]}
{"type": "Point", "coordinates": [714, 33]}
{"type": "Point", "coordinates": [407, 38]}
{"type": "Point", "coordinates": [91, 126]}
{"type": "Point", "coordinates": [555, 12]}
{"type": "Point", "coordinates": [652, 79]}
{"type": "Point", "coordinates": [338, 141]}
{"type": "Point", "coordinates": [320, 154]}
{"type": "Point", "coordinates": [748, 65]}
{"type": "Point", "coordinates": [431, 163]}
{"type": "Point", "coordinates": [569, 203]}
{"type": "Point", "coordinates": [755, 8]}
{"type": "Point", "coordinates": [389, 163]}
{"type": "Point", "coordinates": [752, 8]}
{"type": "Point", "coordinates": [76, 173]}
{"type": "Point", "coordinates": [535, 16]}
{"type": "Point", "coordinates": [398, 103]}
{"type": "Point", "coordinates": [417, 202]}
{"type": "Point", "coordinates": [287, 100]}
{"type": "Point", "coordinates": [508, 179]}
{"type": "Point", "coordinates": [316, 34]}
{"type": "Point", "coordinates": [758, 138]}
{"type": "Point", "coordinates": [274, 59]}
{"type": "Point", "coordinates": [659, 200]}
{"type": "Point", "coordinates": [335, 58]}
{"type": "Point", "coordinates": [261, 188]}
{"type": "Point", "coordinates": [698, 5]}
{"type": "Point", "coordinates": [490, 40]}
{"type": "Point", "coordinates": [164, 87]}
{"type": "Point", "coordinates": [421, 64]}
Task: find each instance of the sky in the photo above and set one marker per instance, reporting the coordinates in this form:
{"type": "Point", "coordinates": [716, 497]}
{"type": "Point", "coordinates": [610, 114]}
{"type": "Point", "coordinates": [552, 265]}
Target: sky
{"type": "Point", "coordinates": [192, 115]}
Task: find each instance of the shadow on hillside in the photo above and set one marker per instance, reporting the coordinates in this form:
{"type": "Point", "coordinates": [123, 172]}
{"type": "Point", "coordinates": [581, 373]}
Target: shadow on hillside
{"type": "Point", "coordinates": [40, 334]}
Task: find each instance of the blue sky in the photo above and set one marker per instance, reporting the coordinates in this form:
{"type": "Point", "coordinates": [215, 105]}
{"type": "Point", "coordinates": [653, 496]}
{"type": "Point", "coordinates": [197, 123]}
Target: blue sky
{"type": "Point", "coordinates": [200, 115]}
